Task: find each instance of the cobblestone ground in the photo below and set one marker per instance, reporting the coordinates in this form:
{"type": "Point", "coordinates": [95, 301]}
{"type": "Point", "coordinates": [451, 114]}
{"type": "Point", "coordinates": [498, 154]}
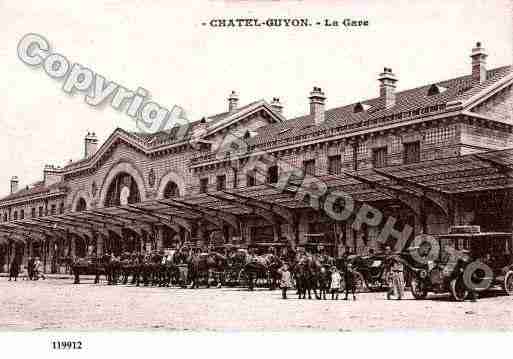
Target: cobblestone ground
{"type": "Point", "coordinates": [58, 304]}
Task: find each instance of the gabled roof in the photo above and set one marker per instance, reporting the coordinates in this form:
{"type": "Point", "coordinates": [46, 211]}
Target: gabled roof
{"type": "Point", "coordinates": [458, 89]}
{"type": "Point", "coordinates": [177, 135]}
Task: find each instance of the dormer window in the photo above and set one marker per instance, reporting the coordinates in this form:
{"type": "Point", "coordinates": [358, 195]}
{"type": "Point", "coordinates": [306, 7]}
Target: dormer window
{"type": "Point", "coordinates": [359, 107]}
{"type": "Point", "coordinates": [436, 89]}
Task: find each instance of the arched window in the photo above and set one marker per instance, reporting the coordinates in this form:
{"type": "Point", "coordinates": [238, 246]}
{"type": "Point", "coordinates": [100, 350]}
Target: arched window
{"type": "Point", "coordinates": [171, 190]}
{"type": "Point", "coordinates": [123, 186]}
{"type": "Point", "coordinates": [81, 205]}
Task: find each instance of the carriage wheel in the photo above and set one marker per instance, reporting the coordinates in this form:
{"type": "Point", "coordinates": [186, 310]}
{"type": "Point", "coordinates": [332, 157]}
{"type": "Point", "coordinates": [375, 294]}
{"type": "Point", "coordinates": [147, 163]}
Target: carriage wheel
{"type": "Point", "coordinates": [458, 290]}
{"type": "Point", "coordinates": [508, 283]}
{"type": "Point", "coordinates": [418, 288]}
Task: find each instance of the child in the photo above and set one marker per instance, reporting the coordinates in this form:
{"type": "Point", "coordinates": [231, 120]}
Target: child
{"type": "Point", "coordinates": [336, 278]}
{"type": "Point", "coordinates": [285, 280]}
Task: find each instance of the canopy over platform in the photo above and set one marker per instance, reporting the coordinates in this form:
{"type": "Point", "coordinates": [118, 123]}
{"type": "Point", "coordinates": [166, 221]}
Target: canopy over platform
{"type": "Point", "coordinates": [436, 180]}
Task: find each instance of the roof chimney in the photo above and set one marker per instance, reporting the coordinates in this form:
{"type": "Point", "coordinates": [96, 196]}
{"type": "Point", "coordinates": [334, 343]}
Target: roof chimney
{"type": "Point", "coordinates": [387, 81]}
{"type": "Point", "coordinates": [90, 144]}
{"type": "Point", "coordinates": [317, 99]}
{"type": "Point", "coordinates": [276, 105]}
{"type": "Point", "coordinates": [51, 175]}
{"type": "Point", "coordinates": [14, 184]}
{"type": "Point", "coordinates": [233, 101]}
{"type": "Point", "coordinates": [478, 56]}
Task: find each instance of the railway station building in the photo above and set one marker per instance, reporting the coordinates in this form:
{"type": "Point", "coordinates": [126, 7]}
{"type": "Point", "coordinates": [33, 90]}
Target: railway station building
{"type": "Point", "coordinates": [426, 158]}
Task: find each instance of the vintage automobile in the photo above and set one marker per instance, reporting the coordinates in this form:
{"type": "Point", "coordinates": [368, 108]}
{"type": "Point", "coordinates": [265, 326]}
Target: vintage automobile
{"type": "Point", "coordinates": [459, 262]}
{"type": "Point", "coordinates": [370, 271]}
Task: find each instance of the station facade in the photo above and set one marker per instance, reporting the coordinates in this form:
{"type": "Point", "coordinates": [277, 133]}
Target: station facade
{"type": "Point", "coordinates": [427, 158]}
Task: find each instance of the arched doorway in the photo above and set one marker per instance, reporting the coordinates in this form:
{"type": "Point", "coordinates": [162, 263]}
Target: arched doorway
{"type": "Point", "coordinates": [171, 190]}
{"type": "Point", "coordinates": [122, 190]}
{"type": "Point", "coordinates": [81, 205]}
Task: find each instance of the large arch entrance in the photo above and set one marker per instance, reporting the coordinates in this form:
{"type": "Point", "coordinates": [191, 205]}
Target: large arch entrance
{"type": "Point", "coordinates": [171, 190]}
{"type": "Point", "coordinates": [122, 190]}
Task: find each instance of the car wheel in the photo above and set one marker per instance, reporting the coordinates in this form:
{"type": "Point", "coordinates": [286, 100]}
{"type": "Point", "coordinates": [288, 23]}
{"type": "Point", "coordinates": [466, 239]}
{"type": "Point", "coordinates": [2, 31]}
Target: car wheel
{"type": "Point", "coordinates": [508, 283]}
{"type": "Point", "coordinates": [458, 290]}
{"type": "Point", "coordinates": [418, 288]}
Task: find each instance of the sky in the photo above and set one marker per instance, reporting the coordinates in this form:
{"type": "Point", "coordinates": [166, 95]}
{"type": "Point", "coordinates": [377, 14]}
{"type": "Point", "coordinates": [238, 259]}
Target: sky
{"type": "Point", "coordinates": [163, 47]}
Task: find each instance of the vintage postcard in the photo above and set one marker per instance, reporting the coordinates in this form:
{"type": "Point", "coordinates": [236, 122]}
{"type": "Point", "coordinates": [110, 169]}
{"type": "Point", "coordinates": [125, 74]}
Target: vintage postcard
{"type": "Point", "coordinates": [268, 166]}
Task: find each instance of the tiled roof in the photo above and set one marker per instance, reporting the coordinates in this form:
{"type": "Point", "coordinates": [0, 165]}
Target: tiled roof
{"type": "Point", "coordinates": [37, 188]}
{"type": "Point", "coordinates": [169, 136]}
{"type": "Point", "coordinates": [460, 88]}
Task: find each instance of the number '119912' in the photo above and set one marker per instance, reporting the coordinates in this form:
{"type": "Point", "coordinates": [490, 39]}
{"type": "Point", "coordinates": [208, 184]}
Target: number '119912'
{"type": "Point", "coordinates": [66, 345]}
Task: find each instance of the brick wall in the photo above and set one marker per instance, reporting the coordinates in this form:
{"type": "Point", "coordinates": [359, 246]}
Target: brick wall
{"type": "Point", "coordinates": [499, 107]}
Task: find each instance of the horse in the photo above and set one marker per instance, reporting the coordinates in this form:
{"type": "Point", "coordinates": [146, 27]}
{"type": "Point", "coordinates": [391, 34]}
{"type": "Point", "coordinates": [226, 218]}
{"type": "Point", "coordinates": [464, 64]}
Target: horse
{"type": "Point", "coordinates": [254, 267]}
{"type": "Point", "coordinates": [201, 265]}
{"type": "Point", "coordinates": [312, 273]}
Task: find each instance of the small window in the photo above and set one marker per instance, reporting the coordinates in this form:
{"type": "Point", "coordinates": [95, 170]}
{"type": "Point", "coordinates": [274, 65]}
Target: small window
{"type": "Point", "coordinates": [15, 215]}
{"type": "Point", "coordinates": [334, 164]}
{"type": "Point", "coordinates": [272, 174]}
{"type": "Point", "coordinates": [61, 208]}
{"type": "Point", "coordinates": [5, 217]}
{"type": "Point", "coordinates": [40, 211]}
{"type": "Point", "coordinates": [379, 157]}
{"type": "Point", "coordinates": [53, 209]}
{"type": "Point", "coordinates": [203, 185]}
{"type": "Point", "coordinates": [359, 107]}
{"type": "Point", "coordinates": [22, 214]}
{"type": "Point", "coordinates": [221, 183]}
{"type": "Point", "coordinates": [33, 212]}
{"type": "Point", "coordinates": [309, 167]}
{"type": "Point", "coordinates": [251, 178]}
{"type": "Point", "coordinates": [435, 90]}
{"type": "Point", "coordinates": [412, 152]}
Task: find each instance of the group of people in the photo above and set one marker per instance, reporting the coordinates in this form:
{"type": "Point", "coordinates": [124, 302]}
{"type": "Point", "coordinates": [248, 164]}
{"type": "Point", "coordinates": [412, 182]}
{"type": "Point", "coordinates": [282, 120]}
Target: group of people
{"type": "Point", "coordinates": [344, 279]}
{"type": "Point", "coordinates": [34, 269]}
{"type": "Point", "coordinates": [337, 282]}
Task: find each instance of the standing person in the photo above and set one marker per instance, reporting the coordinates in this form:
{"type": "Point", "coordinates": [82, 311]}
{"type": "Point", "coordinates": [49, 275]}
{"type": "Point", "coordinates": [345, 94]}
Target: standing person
{"type": "Point", "coordinates": [349, 278]}
{"type": "Point", "coordinates": [30, 268]}
{"type": "Point", "coordinates": [336, 279]}
{"type": "Point", "coordinates": [396, 278]}
{"type": "Point", "coordinates": [37, 269]}
{"type": "Point", "coordinates": [14, 269]}
{"type": "Point", "coordinates": [285, 280]}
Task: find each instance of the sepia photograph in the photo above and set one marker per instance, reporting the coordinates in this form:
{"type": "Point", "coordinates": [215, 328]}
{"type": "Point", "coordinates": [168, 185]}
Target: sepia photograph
{"type": "Point", "coordinates": [255, 166]}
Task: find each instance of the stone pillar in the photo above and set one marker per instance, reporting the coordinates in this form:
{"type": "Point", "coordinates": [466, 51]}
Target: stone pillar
{"type": "Point", "coordinates": [160, 238]}
{"type": "Point", "coordinates": [6, 258]}
{"type": "Point", "coordinates": [99, 245]}
{"type": "Point", "coordinates": [302, 229]}
{"type": "Point", "coordinates": [276, 232]}
{"type": "Point", "coordinates": [50, 255]}
{"type": "Point", "coordinates": [246, 234]}
{"type": "Point", "coordinates": [73, 252]}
